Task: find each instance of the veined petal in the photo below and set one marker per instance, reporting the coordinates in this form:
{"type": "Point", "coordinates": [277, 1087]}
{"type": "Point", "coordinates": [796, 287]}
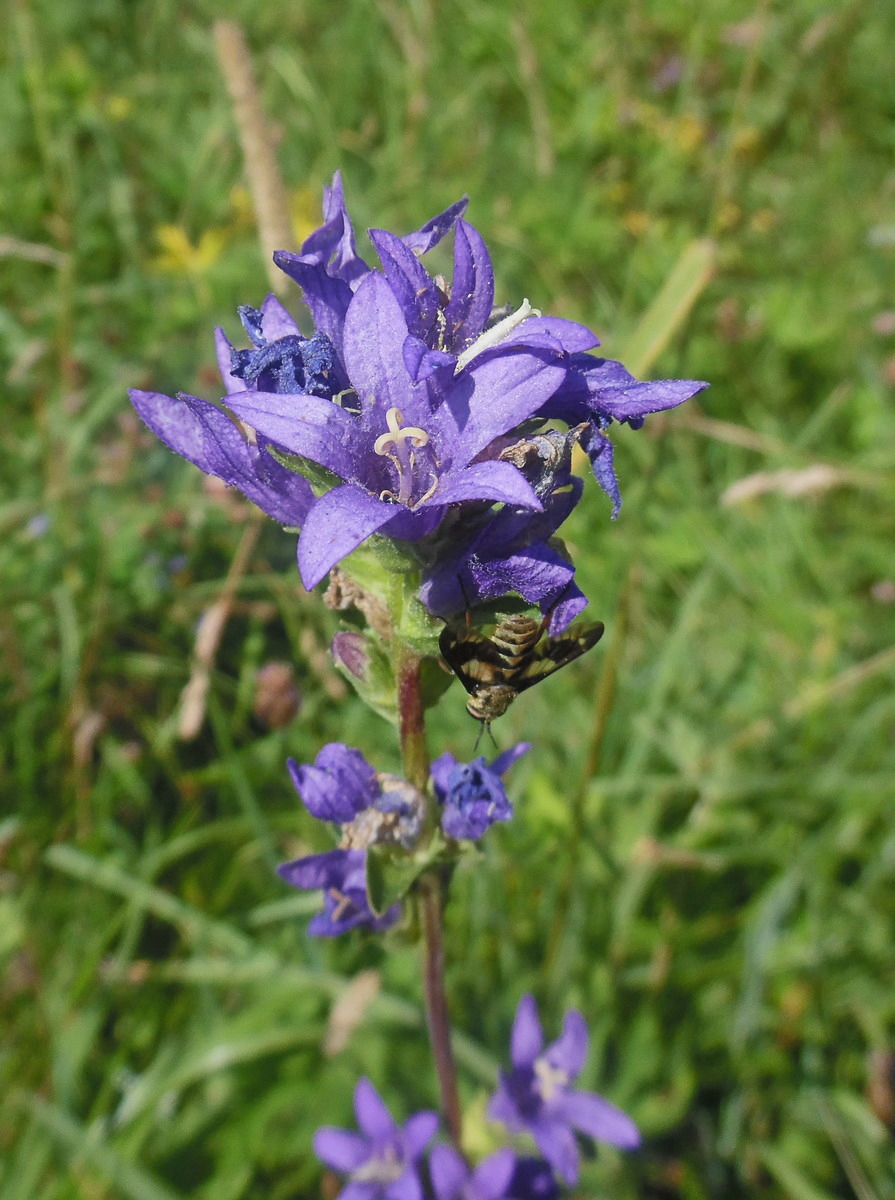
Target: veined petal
{"type": "Point", "coordinates": [337, 524]}
{"type": "Point", "coordinates": [327, 296]}
{"type": "Point", "coordinates": [332, 245]}
{"type": "Point", "coordinates": [486, 481]}
{"type": "Point", "coordinates": [207, 437]}
{"type": "Point", "coordinates": [472, 289]}
{"type": "Point", "coordinates": [411, 283]}
{"type": "Point", "coordinates": [437, 227]}
{"type": "Point", "coordinates": [553, 334]}
{"type": "Point", "coordinates": [307, 425]}
{"type": "Point", "coordinates": [495, 396]}
{"type": "Point", "coordinates": [375, 331]}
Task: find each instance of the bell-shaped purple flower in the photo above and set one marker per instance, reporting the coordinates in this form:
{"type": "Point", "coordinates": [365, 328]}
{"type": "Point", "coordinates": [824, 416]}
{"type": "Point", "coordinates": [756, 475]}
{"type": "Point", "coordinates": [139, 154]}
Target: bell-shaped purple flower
{"type": "Point", "coordinates": [452, 1179]}
{"type": "Point", "coordinates": [339, 785]}
{"type": "Point", "coordinates": [471, 794]}
{"type": "Point", "coordinates": [537, 1095]}
{"type": "Point", "coordinates": [404, 451]}
{"type": "Point", "coordinates": [498, 552]}
{"type": "Point", "coordinates": [341, 876]}
{"type": "Point", "coordinates": [370, 808]}
{"type": "Point", "coordinates": [380, 1162]}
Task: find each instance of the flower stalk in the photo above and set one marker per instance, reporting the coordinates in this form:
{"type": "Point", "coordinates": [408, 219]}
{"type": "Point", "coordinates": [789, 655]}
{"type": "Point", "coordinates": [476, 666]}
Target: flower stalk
{"type": "Point", "coordinates": [415, 756]}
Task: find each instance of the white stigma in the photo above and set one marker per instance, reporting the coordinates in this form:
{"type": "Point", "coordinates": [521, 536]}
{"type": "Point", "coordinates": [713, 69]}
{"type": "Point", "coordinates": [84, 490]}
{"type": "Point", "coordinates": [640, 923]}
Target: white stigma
{"type": "Point", "coordinates": [496, 334]}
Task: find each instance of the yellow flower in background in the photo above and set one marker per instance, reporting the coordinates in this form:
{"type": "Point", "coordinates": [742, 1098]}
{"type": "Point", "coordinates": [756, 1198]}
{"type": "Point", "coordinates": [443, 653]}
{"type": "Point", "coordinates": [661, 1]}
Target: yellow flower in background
{"type": "Point", "coordinates": [179, 256]}
{"type": "Point", "coordinates": [303, 205]}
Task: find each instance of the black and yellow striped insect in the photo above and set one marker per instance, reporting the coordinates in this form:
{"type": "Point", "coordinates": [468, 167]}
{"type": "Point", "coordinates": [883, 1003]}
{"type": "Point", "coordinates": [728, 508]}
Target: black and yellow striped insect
{"type": "Point", "coordinates": [495, 669]}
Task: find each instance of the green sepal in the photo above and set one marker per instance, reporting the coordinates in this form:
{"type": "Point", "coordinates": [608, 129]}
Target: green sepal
{"type": "Point", "coordinates": [377, 687]}
{"type": "Point", "coordinates": [320, 478]}
{"type": "Point", "coordinates": [391, 873]}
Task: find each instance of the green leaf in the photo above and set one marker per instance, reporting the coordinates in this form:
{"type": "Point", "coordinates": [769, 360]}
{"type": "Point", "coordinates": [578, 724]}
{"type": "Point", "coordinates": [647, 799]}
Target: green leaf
{"type": "Point", "coordinates": [688, 279]}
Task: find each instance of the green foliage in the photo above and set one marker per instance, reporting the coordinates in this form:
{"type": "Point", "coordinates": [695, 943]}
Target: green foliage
{"type": "Point", "coordinates": [703, 851]}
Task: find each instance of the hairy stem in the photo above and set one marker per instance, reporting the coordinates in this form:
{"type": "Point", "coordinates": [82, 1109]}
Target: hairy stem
{"type": "Point", "coordinates": [415, 756]}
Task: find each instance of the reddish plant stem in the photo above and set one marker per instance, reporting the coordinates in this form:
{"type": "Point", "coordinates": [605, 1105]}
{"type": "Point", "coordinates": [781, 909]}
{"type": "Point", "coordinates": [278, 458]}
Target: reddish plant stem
{"type": "Point", "coordinates": [415, 754]}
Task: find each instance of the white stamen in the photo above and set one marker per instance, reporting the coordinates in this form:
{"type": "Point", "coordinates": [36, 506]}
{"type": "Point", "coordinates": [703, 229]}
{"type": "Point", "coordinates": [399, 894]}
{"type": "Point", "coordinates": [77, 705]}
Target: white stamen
{"type": "Point", "coordinates": [550, 1079]}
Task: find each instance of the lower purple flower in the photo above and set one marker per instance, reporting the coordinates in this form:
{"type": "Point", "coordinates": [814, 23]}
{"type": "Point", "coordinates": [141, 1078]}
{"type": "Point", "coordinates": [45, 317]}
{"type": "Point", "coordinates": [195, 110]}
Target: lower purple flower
{"type": "Point", "coordinates": [452, 1179]}
{"type": "Point", "coordinates": [536, 1096]}
{"type": "Point", "coordinates": [341, 875]}
{"type": "Point", "coordinates": [381, 1160]}
{"type": "Point", "coordinates": [472, 794]}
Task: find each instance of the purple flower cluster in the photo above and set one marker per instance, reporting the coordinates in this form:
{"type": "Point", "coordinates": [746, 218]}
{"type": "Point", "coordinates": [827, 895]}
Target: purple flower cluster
{"type": "Point", "coordinates": [384, 1160]}
{"type": "Point", "coordinates": [369, 808]}
{"type": "Point", "coordinates": [375, 808]}
{"type": "Point", "coordinates": [410, 412]}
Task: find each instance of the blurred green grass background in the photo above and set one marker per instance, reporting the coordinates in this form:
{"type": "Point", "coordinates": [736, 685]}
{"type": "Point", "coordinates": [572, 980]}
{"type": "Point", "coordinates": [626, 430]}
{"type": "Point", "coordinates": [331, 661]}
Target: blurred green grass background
{"type": "Point", "coordinates": [703, 854]}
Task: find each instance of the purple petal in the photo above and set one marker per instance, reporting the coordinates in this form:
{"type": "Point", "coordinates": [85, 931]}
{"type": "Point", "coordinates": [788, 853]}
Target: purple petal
{"type": "Point", "coordinates": [569, 1051]}
{"type": "Point", "coordinates": [555, 335]}
{"type": "Point", "coordinates": [327, 297]}
{"type": "Point", "coordinates": [276, 321]}
{"type": "Point", "coordinates": [440, 770]}
{"type": "Point", "coordinates": [318, 871]}
{"type": "Point", "coordinates": [556, 1142]}
{"type": "Point", "coordinates": [564, 611]}
{"type": "Point", "coordinates": [307, 425]}
{"type": "Point", "coordinates": [602, 459]}
{"type": "Point", "coordinates": [337, 524]}
{"type": "Point", "coordinates": [341, 1149]}
{"type": "Point", "coordinates": [332, 245]}
{"type": "Point", "coordinates": [449, 1173]}
{"type": "Point", "coordinates": [528, 1036]}
{"type": "Point", "coordinates": [597, 1118]}
{"type": "Point", "coordinates": [639, 399]}
{"type": "Point", "coordinates": [373, 351]}
{"type": "Point", "coordinates": [500, 394]}
{"type": "Point", "coordinates": [418, 1132]}
{"type": "Point", "coordinates": [504, 761]}
{"type": "Point", "coordinates": [339, 785]}
{"type": "Point", "coordinates": [411, 283]}
{"type": "Point", "coordinates": [205, 436]}
{"type": "Point", "coordinates": [493, 480]}
{"type": "Point", "coordinates": [472, 289]}
{"type": "Point", "coordinates": [373, 1117]}
{"type": "Point", "coordinates": [353, 1190]}
{"type": "Point", "coordinates": [492, 1176]}
{"type": "Point", "coordinates": [436, 228]}
{"type": "Point", "coordinates": [421, 362]}
{"type": "Point", "coordinates": [223, 348]}
{"type": "Point", "coordinates": [407, 1187]}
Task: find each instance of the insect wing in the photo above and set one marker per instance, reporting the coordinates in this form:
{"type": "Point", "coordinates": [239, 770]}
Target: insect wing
{"type": "Point", "coordinates": [473, 658]}
{"type": "Point", "coordinates": [556, 652]}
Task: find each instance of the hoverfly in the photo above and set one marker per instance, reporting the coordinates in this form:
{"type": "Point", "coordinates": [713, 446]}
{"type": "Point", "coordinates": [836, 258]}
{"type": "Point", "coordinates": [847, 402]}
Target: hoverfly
{"type": "Point", "coordinates": [494, 670]}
